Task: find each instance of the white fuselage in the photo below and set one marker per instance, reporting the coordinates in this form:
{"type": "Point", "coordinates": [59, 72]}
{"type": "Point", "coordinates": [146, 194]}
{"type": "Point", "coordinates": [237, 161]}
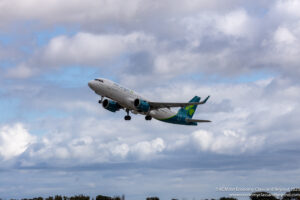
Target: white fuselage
{"type": "Point", "coordinates": [125, 97]}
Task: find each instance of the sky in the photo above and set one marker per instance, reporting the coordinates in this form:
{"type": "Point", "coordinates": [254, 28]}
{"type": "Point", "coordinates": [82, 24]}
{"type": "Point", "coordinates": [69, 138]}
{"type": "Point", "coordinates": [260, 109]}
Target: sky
{"type": "Point", "coordinates": [56, 139]}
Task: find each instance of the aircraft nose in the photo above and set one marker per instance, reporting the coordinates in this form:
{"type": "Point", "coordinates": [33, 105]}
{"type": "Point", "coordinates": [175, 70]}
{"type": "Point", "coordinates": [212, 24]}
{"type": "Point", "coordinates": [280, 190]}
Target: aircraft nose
{"type": "Point", "coordinates": [91, 85]}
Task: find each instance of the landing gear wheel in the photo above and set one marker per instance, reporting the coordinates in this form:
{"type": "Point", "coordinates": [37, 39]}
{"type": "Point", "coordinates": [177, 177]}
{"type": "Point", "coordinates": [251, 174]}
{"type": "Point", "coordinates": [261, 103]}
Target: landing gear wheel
{"type": "Point", "coordinates": [127, 117]}
{"type": "Point", "coordinates": [148, 117]}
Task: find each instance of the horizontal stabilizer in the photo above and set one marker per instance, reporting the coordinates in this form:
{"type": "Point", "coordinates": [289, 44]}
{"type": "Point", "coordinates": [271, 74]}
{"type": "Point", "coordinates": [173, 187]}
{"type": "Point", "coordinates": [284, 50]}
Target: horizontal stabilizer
{"type": "Point", "coordinates": [196, 120]}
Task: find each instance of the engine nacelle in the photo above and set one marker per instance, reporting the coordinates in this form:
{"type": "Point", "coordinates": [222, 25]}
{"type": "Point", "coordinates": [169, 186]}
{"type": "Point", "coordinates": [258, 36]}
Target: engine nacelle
{"type": "Point", "coordinates": [111, 105]}
{"type": "Point", "coordinates": [141, 105]}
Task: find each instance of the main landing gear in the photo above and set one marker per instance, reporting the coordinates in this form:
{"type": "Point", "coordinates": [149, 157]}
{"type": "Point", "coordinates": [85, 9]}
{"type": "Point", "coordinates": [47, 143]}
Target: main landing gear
{"type": "Point", "coordinates": [148, 117]}
{"type": "Point", "coordinates": [127, 117]}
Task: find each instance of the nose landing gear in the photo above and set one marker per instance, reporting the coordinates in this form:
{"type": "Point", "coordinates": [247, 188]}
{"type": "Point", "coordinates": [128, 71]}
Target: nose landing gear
{"type": "Point", "coordinates": [100, 101]}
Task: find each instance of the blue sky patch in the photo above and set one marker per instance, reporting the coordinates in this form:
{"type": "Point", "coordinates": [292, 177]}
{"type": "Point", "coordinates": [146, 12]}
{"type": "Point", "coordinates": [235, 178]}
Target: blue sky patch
{"type": "Point", "coordinates": [71, 77]}
{"type": "Point", "coordinates": [6, 39]}
{"type": "Point", "coordinates": [43, 37]}
{"type": "Point", "coordinates": [8, 109]}
{"type": "Point", "coordinates": [248, 78]}
{"type": "Point", "coordinates": [6, 64]}
{"type": "Point", "coordinates": [35, 114]}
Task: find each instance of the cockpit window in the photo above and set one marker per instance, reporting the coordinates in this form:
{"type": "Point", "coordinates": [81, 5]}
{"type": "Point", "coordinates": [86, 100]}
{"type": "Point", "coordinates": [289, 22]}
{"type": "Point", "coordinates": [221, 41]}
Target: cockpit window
{"type": "Point", "coordinates": [100, 80]}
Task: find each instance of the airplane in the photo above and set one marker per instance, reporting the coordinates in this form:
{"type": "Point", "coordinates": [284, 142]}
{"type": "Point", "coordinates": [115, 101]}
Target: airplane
{"type": "Point", "coordinates": [115, 97]}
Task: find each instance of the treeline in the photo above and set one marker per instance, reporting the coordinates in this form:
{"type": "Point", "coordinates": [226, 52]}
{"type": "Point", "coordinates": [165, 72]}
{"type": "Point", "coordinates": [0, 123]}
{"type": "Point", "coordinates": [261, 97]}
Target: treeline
{"type": "Point", "coordinates": [77, 197]}
{"type": "Point", "coordinates": [294, 194]}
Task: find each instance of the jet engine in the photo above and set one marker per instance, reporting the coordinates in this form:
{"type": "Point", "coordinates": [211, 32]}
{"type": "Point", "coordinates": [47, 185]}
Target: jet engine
{"type": "Point", "coordinates": [111, 105]}
{"type": "Point", "coordinates": [141, 105]}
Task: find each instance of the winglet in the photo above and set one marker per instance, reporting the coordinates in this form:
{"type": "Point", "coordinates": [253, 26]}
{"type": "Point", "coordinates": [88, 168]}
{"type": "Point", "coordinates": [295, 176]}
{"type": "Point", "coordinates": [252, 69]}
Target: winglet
{"type": "Point", "coordinates": [204, 101]}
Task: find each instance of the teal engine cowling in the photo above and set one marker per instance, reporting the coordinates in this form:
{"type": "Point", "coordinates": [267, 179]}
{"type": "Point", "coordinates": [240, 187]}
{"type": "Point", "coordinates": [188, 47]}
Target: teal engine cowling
{"type": "Point", "coordinates": [111, 105]}
{"type": "Point", "coordinates": [141, 105]}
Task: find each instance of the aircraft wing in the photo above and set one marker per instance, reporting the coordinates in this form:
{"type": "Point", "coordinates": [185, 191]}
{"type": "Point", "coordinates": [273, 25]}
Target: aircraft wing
{"type": "Point", "coordinates": [196, 120]}
{"type": "Point", "coordinates": [156, 105]}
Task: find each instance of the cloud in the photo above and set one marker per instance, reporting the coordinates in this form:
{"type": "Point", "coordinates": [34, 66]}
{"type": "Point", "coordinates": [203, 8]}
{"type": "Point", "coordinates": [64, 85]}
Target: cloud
{"type": "Point", "coordinates": [21, 71]}
{"type": "Point", "coordinates": [236, 23]}
{"type": "Point", "coordinates": [229, 43]}
{"type": "Point", "coordinates": [144, 150]}
{"type": "Point", "coordinates": [87, 13]}
{"type": "Point", "coordinates": [120, 150]}
{"type": "Point", "coordinates": [243, 123]}
{"type": "Point", "coordinates": [283, 35]}
{"type": "Point", "coordinates": [84, 49]}
{"type": "Point", "coordinates": [91, 49]}
{"type": "Point", "coordinates": [228, 142]}
{"type": "Point", "coordinates": [281, 50]}
{"type": "Point", "coordinates": [244, 54]}
{"type": "Point", "coordinates": [287, 9]}
{"type": "Point", "coordinates": [14, 140]}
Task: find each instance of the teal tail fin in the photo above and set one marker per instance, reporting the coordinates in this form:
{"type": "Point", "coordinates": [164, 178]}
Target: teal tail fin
{"type": "Point", "coordinates": [188, 111]}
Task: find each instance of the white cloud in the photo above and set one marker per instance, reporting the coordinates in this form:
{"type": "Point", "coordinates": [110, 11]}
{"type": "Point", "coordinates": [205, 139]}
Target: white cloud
{"type": "Point", "coordinates": [92, 140]}
{"type": "Point", "coordinates": [282, 50]}
{"type": "Point", "coordinates": [146, 149]}
{"type": "Point", "coordinates": [283, 35]}
{"type": "Point", "coordinates": [120, 150]}
{"type": "Point", "coordinates": [62, 153]}
{"type": "Point", "coordinates": [67, 11]}
{"type": "Point", "coordinates": [172, 63]}
{"type": "Point", "coordinates": [14, 140]}
{"type": "Point", "coordinates": [236, 23]}
{"type": "Point", "coordinates": [21, 71]}
{"type": "Point", "coordinates": [94, 12]}
{"type": "Point", "coordinates": [227, 142]}
{"type": "Point", "coordinates": [87, 48]}
{"type": "Point", "coordinates": [82, 49]}
{"type": "Point", "coordinates": [216, 43]}
{"type": "Point", "coordinates": [287, 8]}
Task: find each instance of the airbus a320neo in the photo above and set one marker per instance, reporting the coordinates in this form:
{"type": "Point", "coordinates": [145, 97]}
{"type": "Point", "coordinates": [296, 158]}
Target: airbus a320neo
{"type": "Point", "coordinates": [115, 97]}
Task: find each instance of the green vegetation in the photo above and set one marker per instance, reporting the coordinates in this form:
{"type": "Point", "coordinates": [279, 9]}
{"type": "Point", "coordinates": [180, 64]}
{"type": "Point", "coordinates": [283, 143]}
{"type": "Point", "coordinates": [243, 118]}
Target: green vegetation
{"type": "Point", "coordinates": [77, 197]}
{"type": "Point", "coordinates": [152, 198]}
{"type": "Point", "coordinates": [291, 195]}
{"type": "Point", "coordinates": [227, 198]}
{"type": "Point", "coordinates": [261, 195]}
